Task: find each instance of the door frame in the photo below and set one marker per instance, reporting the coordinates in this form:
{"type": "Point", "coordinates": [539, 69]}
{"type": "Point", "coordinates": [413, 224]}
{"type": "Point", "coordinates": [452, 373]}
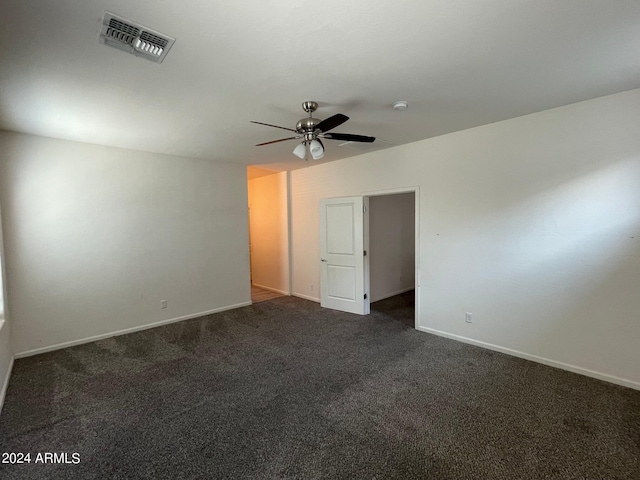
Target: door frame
{"type": "Point", "coordinates": [392, 191]}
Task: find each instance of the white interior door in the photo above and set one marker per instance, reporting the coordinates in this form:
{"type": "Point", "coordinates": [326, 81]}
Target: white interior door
{"type": "Point", "coordinates": [342, 252]}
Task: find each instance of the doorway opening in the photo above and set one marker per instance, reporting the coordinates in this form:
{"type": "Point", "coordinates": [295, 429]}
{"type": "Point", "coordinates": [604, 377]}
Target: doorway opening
{"type": "Point", "coordinates": [268, 217]}
{"type": "Point", "coordinates": [392, 255]}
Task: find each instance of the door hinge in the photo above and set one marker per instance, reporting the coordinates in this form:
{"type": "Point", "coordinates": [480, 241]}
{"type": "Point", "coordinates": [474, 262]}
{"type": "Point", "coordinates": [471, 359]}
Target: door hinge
{"type": "Point", "coordinates": [365, 253]}
{"type": "Point", "coordinates": [364, 209]}
{"type": "Point", "coordinates": [365, 296]}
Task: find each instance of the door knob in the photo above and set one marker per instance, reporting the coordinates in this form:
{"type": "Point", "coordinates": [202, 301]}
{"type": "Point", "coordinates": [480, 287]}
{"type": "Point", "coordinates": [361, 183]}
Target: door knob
{"type": "Point", "coordinates": [322, 260]}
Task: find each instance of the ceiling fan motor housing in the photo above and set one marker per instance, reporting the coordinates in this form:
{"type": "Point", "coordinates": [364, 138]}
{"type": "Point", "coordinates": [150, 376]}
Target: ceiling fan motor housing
{"type": "Point", "coordinates": [307, 125]}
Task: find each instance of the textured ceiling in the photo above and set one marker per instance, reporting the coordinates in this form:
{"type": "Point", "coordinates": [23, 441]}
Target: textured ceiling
{"type": "Point", "coordinates": [459, 64]}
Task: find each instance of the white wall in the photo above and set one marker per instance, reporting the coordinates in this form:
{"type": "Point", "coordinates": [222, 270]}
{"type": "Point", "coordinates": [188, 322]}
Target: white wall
{"type": "Point", "coordinates": [96, 237]}
{"type": "Point", "coordinates": [6, 349]}
{"type": "Point", "coordinates": [269, 232]}
{"type": "Point", "coordinates": [391, 244]}
{"type": "Point", "coordinates": [531, 224]}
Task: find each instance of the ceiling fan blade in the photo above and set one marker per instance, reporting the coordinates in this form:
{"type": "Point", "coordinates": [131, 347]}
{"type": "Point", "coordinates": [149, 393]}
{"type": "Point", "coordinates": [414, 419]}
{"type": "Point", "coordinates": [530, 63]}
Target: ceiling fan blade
{"type": "Point", "coordinates": [274, 126]}
{"type": "Point", "coordinates": [347, 137]}
{"type": "Point", "coordinates": [276, 141]}
{"type": "Point", "coordinates": [332, 122]}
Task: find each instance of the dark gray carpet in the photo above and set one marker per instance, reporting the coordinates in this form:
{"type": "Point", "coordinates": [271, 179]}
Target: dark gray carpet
{"type": "Point", "coordinates": [284, 389]}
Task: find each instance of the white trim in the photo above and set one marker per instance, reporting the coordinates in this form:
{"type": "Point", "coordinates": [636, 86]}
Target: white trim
{"type": "Point", "coordinates": [5, 384]}
{"type": "Point", "coordinates": [282, 292]}
{"type": "Point", "coordinates": [393, 294]}
{"type": "Point", "coordinates": [72, 343]}
{"type": "Point", "coordinates": [367, 258]}
{"type": "Point", "coordinates": [391, 191]}
{"type": "Point", "coordinates": [289, 233]}
{"type": "Point", "coordinates": [416, 280]}
{"type": "Point", "coordinates": [305, 297]}
{"type": "Point", "coordinates": [534, 358]}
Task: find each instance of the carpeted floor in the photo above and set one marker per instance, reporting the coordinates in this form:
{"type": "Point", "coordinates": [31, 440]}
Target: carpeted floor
{"type": "Point", "coordinates": [285, 389]}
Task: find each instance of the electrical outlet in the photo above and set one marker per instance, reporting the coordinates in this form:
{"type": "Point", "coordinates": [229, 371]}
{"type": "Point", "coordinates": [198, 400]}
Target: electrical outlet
{"type": "Point", "coordinates": [163, 304]}
{"type": "Point", "coordinates": [468, 317]}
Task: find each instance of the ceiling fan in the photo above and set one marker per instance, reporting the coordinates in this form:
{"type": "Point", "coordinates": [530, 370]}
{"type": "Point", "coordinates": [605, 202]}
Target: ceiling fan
{"type": "Point", "coordinates": [312, 130]}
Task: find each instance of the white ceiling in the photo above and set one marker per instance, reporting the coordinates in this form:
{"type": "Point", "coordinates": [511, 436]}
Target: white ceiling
{"type": "Point", "coordinates": [459, 64]}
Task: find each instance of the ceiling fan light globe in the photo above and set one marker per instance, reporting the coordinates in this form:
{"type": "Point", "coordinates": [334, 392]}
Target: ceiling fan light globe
{"type": "Point", "coordinates": [300, 150]}
{"type": "Point", "coordinates": [317, 152]}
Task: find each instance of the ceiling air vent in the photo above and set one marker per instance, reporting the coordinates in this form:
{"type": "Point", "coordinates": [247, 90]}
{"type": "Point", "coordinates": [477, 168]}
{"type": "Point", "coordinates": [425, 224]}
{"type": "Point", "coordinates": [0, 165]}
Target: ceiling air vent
{"type": "Point", "coordinates": [134, 38]}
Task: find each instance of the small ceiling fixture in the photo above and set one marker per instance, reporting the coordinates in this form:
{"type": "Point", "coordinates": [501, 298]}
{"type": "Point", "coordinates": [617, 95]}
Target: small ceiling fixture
{"type": "Point", "coordinates": [312, 130]}
{"type": "Point", "coordinates": [400, 105]}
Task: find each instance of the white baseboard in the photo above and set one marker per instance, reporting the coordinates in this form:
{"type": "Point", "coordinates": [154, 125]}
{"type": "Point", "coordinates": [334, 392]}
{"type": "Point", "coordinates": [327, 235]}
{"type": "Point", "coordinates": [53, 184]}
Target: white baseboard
{"type": "Point", "coordinates": [72, 343]}
{"type": "Point", "coordinates": [5, 384]}
{"type": "Point", "coordinates": [282, 292]}
{"type": "Point", "coordinates": [534, 358]}
{"type": "Point", "coordinates": [392, 294]}
{"type": "Point", "coordinates": [306, 297]}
